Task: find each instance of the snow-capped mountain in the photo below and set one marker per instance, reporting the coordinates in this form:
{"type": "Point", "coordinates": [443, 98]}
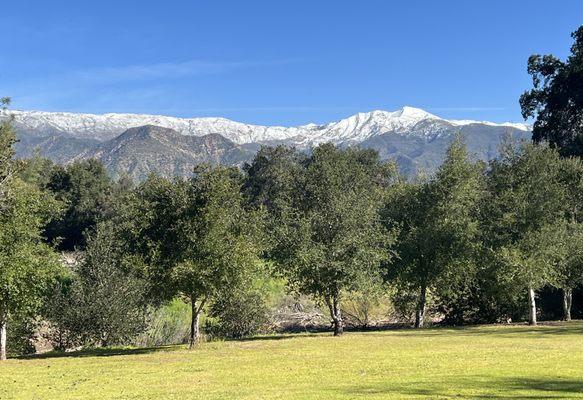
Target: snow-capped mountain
{"type": "Point", "coordinates": [171, 146]}
{"type": "Point", "coordinates": [354, 129]}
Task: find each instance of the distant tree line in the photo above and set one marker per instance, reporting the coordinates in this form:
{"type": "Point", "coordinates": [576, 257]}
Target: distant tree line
{"type": "Point", "coordinates": [474, 242]}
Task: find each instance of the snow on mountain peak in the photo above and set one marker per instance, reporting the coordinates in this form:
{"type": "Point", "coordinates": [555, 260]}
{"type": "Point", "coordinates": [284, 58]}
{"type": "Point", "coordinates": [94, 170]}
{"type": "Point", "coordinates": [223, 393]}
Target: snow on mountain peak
{"type": "Point", "coordinates": [354, 129]}
{"type": "Point", "coordinates": [414, 113]}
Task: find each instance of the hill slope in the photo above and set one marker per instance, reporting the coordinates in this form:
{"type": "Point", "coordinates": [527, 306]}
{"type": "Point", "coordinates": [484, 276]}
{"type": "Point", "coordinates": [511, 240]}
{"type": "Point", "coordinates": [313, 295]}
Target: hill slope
{"type": "Point", "coordinates": [142, 150]}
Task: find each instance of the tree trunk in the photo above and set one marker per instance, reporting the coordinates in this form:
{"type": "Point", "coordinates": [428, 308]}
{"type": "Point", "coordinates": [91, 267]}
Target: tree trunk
{"type": "Point", "coordinates": [335, 314]}
{"type": "Point", "coordinates": [3, 323]}
{"type": "Point", "coordinates": [420, 314]}
{"type": "Point", "coordinates": [531, 307]}
{"type": "Point", "coordinates": [195, 319]}
{"type": "Point", "coordinates": [337, 317]}
{"type": "Point", "coordinates": [194, 324]}
{"type": "Point", "coordinates": [567, 302]}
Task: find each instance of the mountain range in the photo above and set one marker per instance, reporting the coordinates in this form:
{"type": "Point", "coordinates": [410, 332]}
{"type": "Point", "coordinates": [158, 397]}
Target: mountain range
{"type": "Point", "coordinates": [139, 144]}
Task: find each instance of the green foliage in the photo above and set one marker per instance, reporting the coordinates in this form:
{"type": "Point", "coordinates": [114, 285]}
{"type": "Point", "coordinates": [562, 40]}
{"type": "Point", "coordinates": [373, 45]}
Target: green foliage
{"type": "Point", "coordinates": [61, 311]}
{"type": "Point", "coordinates": [571, 177]}
{"type": "Point", "coordinates": [7, 141]}
{"type": "Point", "coordinates": [22, 335]}
{"type": "Point", "coordinates": [405, 302]}
{"type": "Point", "coordinates": [531, 261]}
{"type": "Point", "coordinates": [556, 99]}
{"type": "Point", "coordinates": [560, 246]}
{"type": "Point", "coordinates": [35, 170]}
{"type": "Point", "coordinates": [237, 313]}
{"type": "Point", "coordinates": [328, 236]}
{"type": "Point", "coordinates": [271, 177]}
{"type": "Point", "coordinates": [439, 227]}
{"type": "Point", "coordinates": [27, 265]}
{"type": "Point", "coordinates": [195, 236]}
{"type": "Point", "coordinates": [84, 188]}
{"type": "Point", "coordinates": [523, 216]}
{"type": "Point", "coordinates": [570, 263]}
{"type": "Point", "coordinates": [102, 303]}
{"type": "Point", "coordinates": [526, 201]}
{"type": "Point", "coordinates": [167, 324]}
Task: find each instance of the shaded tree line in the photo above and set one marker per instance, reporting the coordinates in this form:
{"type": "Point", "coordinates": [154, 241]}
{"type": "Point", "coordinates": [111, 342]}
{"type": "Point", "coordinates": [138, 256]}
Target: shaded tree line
{"type": "Point", "coordinates": [473, 242]}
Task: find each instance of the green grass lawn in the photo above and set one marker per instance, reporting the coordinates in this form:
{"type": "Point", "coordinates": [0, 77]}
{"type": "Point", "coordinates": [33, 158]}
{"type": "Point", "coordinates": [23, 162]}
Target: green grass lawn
{"type": "Point", "coordinates": [489, 362]}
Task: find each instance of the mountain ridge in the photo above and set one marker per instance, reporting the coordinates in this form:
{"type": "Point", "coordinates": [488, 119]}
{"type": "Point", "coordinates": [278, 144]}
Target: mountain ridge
{"type": "Point", "coordinates": [142, 150]}
{"type": "Point", "coordinates": [416, 139]}
{"type": "Point", "coordinates": [355, 128]}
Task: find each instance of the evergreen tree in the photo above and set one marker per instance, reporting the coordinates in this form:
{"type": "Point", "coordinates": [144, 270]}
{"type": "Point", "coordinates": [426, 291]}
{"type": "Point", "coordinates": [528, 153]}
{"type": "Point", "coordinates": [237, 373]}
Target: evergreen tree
{"type": "Point", "coordinates": [35, 170]}
{"type": "Point", "coordinates": [195, 236]}
{"type": "Point", "coordinates": [556, 99]}
{"type": "Point", "coordinates": [523, 212]}
{"type": "Point", "coordinates": [102, 301]}
{"type": "Point", "coordinates": [330, 238]}
{"type": "Point", "coordinates": [439, 229]}
{"type": "Point", "coordinates": [27, 265]}
{"type": "Point", "coordinates": [84, 188]}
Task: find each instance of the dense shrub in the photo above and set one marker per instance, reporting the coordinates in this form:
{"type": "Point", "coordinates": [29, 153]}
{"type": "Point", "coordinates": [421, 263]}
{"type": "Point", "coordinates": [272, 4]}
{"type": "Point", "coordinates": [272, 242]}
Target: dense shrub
{"type": "Point", "coordinates": [101, 302]}
{"type": "Point", "coordinates": [21, 335]}
{"type": "Point", "coordinates": [61, 311]}
{"type": "Point", "coordinates": [237, 315]}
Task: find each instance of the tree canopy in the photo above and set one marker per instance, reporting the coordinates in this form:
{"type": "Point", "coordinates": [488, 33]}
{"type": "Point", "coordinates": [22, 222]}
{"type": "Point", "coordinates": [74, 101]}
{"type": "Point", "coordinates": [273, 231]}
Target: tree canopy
{"type": "Point", "coordinates": [195, 236]}
{"type": "Point", "coordinates": [27, 264]}
{"type": "Point", "coordinates": [556, 99]}
{"type": "Point", "coordinates": [438, 220]}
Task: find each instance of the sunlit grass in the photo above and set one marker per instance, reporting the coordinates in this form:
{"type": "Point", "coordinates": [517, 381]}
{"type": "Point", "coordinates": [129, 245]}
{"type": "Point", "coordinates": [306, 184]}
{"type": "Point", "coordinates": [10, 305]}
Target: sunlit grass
{"type": "Point", "coordinates": [498, 362]}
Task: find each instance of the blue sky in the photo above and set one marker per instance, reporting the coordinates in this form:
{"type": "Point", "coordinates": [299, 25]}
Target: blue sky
{"type": "Point", "coordinates": [278, 62]}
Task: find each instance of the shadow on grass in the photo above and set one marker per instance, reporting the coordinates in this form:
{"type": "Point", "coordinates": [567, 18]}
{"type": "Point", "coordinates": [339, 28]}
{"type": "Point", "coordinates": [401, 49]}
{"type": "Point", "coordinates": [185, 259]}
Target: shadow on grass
{"type": "Point", "coordinates": [99, 352]}
{"type": "Point", "coordinates": [553, 329]}
{"type": "Point", "coordinates": [280, 336]}
{"type": "Point", "coordinates": [480, 388]}
{"type": "Point", "coordinates": [121, 351]}
{"type": "Point", "coordinates": [402, 330]}
{"type": "Point", "coordinates": [318, 331]}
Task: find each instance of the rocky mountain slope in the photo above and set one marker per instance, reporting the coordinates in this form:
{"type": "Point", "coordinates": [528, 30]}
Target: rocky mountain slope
{"type": "Point", "coordinates": [139, 144]}
{"type": "Point", "coordinates": [149, 148]}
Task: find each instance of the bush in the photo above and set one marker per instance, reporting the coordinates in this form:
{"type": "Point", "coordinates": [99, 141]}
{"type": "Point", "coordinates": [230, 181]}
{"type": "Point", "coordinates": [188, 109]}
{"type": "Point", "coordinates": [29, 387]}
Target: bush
{"type": "Point", "coordinates": [101, 302]}
{"type": "Point", "coordinates": [237, 315]}
{"type": "Point", "coordinates": [21, 335]}
{"type": "Point", "coordinates": [168, 324]}
{"type": "Point", "coordinates": [405, 304]}
{"type": "Point", "coordinates": [61, 312]}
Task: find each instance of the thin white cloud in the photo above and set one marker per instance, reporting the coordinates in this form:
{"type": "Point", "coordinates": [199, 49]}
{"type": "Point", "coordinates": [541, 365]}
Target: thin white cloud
{"type": "Point", "coordinates": [467, 109]}
{"type": "Point", "coordinates": [167, 70]}
{"type": "Point", "coordinates": [109, 84]}
{"type": "Point", "coordinates": [275, 109]}
{"type": "Point", "coordinates": [154, 71]}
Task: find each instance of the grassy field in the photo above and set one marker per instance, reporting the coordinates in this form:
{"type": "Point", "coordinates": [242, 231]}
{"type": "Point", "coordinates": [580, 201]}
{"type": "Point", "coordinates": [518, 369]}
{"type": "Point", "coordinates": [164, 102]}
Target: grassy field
{"type": "Point", "coordinates": [490, 362]}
